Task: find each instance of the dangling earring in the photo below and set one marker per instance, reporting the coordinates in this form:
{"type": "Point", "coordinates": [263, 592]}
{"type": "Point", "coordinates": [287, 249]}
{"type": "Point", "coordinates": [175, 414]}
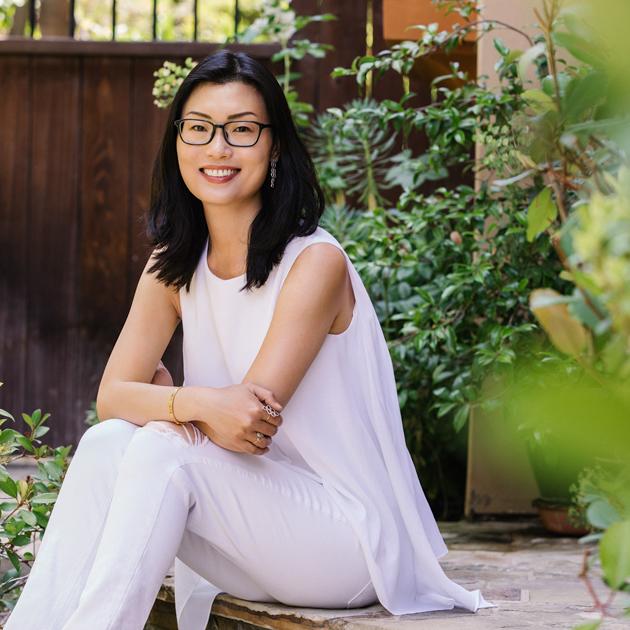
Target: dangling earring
{"type": "Point", "coordinates": [273, 172]}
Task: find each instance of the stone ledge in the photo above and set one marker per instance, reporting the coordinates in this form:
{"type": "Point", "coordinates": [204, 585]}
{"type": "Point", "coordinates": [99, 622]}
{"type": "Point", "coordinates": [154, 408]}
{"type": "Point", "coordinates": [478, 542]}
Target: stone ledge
{"type": "Point", "coordinates": [532, 578]}
{"type": "Point", "coordinates": [231, 612]}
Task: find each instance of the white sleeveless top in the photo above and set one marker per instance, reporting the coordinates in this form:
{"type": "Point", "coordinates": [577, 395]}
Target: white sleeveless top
{"type": "Point", "coordinates": [342, 427]}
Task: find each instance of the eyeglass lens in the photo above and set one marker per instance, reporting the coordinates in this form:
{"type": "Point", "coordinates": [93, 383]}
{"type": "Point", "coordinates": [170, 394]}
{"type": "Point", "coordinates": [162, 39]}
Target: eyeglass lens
{"type": "Point", "coordinates": [238, 133]}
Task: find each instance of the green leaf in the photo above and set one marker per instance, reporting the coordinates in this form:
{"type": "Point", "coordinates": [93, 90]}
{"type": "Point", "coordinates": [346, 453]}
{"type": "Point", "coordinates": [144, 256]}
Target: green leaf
{"type": "Point", "coordinates": [25, 442]}
{"type": "Point", "coordinates": [614, 553]}
{"type": "Point", "coordinates": [6, 435]}
{"type": "Point", "coordinates": [39, 431]}
{"type": "Point", "coordinates": [461, 417]}
{"type": "Point", "coordinates": [602, 514]}
{"type": "Point", "coordinates": [580, 48]}
{"type": "Point", "coordinates": [591, 625]}
{"type": "Point", "coordinates": [27, 517]}
{"type": "Point", "coordinates": [541, 213]}
{"type": "Point", "coordinates": [8, 486]}
{"type": "Point", "coordinates": [614, 353]}
{"type": "Point", "coordinates": [21, 539]}
{"type": "Point", "coordinates": [539, 100]}
{"type": "Point", "coordinates": [44, 499]}
{"type": "Point", "coordinates": [15, 560]}
{"type": "Point", "coordinates": [448, 292]}
{"type": "Point", "coordinates": [501, 48]}
{"type": "Point", "coordinates": [27, 419]}
{"type": "Point", "coordinates": [582, 94]}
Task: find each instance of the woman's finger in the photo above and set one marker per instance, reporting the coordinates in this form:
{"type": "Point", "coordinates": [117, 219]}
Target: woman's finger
{"type": "Point", "coordinates": [266, 395]}
{"type": "Point", "coordinates": [255, 448]}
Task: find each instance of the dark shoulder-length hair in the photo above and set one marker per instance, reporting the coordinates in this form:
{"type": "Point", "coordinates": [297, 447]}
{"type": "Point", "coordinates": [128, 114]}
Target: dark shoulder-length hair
{"type": "Point", "coordinates": [175, 222]}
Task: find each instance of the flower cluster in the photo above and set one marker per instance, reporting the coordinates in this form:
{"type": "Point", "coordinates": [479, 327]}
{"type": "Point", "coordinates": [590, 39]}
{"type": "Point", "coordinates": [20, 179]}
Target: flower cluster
{"type": "Point", "coordinates": [168, 79]}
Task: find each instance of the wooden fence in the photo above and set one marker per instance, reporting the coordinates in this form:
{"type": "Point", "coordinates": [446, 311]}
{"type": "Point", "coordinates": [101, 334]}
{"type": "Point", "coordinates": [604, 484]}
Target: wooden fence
{"type": "Point", "coordinates": [78, 137]}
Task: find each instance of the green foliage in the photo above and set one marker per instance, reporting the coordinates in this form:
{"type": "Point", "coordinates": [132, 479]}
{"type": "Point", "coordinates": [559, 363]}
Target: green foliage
{"type": "Point", "coordinates": [91, 417]}
{"type": "Point", "coordinates": [352, 151]}
{"type": "Point", "coordinates": [603, 493]}
{"type": "Point", "coordinates": [168, 79]}
{"type": "Point", "coordinates": [568, 140]}
{"type": "Point", "coordinates": [25, 511]}
{"type": "Point", "coordinates": [448, 274]}
{"type": "Point", "coordinates": [614, 552]}
{"type": "Point", "coordinates": [7, 11]}
{"type": "Point", "coordinates": [277, 22]}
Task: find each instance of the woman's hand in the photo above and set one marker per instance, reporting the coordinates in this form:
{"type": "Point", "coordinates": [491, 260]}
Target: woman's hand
{"type": "Point", "coordinates": [230, 416]}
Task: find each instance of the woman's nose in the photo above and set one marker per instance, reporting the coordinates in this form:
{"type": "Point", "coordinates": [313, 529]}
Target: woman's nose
{"type": "Point", "coordinates": [218, 143]}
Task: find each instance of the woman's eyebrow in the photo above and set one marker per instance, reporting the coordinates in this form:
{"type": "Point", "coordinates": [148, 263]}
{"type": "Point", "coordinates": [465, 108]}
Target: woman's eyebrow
{"type": "Point", "coordinates": [229, 117]}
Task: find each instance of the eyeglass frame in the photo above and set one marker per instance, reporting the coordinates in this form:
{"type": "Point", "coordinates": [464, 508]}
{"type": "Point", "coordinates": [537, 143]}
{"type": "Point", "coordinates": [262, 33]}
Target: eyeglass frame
{"type": "Point", "coordinates": [261, 126]}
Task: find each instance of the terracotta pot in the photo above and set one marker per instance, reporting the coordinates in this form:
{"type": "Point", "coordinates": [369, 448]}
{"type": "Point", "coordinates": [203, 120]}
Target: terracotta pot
{"type": "Point", "coordinates": [555, 519]}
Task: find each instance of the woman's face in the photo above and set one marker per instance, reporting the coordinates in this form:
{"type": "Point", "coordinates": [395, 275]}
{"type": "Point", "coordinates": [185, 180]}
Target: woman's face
{"type": "Point", "coordinates": [203, 167]}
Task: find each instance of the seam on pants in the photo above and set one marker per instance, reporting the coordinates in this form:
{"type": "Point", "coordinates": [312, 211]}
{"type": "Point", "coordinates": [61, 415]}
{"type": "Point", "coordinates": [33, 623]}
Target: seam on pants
{"type": "Point", "coordinates": [61, 609]}
{"type": "Point", "coordinates": [144, 550]}
{"type": "Point", "coordinates": [369, 582]}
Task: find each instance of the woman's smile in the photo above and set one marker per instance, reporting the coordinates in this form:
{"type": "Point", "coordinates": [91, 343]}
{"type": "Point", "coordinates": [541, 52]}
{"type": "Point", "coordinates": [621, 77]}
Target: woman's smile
{"type": "Point", "coordinates": [216, 175]}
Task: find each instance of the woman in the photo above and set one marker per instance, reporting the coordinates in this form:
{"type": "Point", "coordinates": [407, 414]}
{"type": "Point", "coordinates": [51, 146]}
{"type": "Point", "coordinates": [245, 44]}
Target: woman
{"type": "Point", "coordinates": [320, 506]}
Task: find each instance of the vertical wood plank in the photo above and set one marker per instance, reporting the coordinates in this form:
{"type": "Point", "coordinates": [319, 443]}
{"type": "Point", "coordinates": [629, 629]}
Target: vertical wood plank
{"type": "Point", "coordinates": [52, 259]}
{"type": "Point", "coordinates": [104, 230]}
{"type": "Point", "coordinates": [347, 35]}
{"type": "Point", "coordinates": [15, 111]}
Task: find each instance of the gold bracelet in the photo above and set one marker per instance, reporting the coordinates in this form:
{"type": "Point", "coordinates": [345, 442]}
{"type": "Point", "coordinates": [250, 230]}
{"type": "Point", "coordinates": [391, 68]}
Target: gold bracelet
{"type": "Point", "coordinates": [171, 413]}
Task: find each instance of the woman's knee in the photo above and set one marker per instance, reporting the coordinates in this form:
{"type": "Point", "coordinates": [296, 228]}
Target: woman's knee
{"type": "Point", "coordinates": [114, 433]}
{"type": "Point", "coordinates": [185, 434]}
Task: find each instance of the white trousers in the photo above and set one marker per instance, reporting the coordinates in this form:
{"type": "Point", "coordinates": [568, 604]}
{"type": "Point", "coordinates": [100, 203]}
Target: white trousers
{"type": "Point", "coordinates": [135, 498]}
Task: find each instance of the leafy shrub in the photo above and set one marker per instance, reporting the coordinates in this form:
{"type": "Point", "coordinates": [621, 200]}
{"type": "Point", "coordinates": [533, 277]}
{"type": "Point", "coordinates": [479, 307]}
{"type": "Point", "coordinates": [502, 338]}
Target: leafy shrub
{"type": "Point", "coordinates": [449, 275]}
{"type": "Point", "coordinates": [449, 271]}
{"type": "Point", "coordinates": [24, 513]}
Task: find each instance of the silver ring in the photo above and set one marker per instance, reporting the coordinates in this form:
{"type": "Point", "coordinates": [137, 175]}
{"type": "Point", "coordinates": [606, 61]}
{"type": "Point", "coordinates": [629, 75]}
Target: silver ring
{"type": "Point", "coordinates": [271, 411]}
{"type": "Point", "coordinates": [259, 436]}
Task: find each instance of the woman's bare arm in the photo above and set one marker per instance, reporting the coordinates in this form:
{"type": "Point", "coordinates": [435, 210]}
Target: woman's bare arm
{"type": "Point", "coordinates": [125, 390]}
{"type": "Point", "coordinates": [310, 299]}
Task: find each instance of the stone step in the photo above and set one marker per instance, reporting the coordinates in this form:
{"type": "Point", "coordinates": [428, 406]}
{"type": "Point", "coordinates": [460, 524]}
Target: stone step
{"type": "Point", "coordinates": [232, 613]}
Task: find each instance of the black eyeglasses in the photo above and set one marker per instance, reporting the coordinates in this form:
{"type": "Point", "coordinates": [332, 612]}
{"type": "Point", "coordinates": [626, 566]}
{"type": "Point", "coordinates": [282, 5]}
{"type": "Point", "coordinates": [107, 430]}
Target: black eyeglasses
{"type": "Point", "coordinates": [237, 133]}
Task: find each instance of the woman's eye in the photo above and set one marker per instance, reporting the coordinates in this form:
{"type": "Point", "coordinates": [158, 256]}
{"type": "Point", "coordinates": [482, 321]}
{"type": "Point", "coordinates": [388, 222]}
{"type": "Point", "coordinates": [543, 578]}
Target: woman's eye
{"type": "Point", "coordinates": [243, 128]}
{"type": "Point", "coordinates": [198, 128]}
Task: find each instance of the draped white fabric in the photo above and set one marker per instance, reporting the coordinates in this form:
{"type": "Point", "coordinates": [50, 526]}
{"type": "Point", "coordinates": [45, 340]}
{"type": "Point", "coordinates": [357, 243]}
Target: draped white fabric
{"type": "Point", "coordinates": [343, 425]}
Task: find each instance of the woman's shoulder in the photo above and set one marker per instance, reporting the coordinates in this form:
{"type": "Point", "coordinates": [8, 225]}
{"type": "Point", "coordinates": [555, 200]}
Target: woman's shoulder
{"type": "Point", "coordinates": [299, 243]}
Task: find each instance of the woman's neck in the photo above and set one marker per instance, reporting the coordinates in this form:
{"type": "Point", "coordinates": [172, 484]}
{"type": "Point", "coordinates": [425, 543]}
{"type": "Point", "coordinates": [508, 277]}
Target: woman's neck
{"type": "Point", "coordinates": [229, 234]}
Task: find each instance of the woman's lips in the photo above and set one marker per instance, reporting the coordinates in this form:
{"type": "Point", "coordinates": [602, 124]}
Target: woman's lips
{"type": "Point", "coordinates": [218, 180]}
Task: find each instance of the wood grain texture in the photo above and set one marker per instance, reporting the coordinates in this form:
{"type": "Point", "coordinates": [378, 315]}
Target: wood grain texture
{"type": "Point", "coordinates": [15, 111]}
{"type": "Point", "coordinates": [52, 335]}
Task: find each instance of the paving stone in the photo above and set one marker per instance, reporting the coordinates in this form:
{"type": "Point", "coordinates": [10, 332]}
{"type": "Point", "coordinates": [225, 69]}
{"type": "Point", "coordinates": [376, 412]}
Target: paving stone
{"type": "Point", "coordinates": [531, 577]}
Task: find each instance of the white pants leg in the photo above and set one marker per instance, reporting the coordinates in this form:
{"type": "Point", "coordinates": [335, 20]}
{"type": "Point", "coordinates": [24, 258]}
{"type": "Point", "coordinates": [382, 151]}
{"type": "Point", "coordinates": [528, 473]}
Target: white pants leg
{"type": "Point", "coordinates": [134, 498]}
